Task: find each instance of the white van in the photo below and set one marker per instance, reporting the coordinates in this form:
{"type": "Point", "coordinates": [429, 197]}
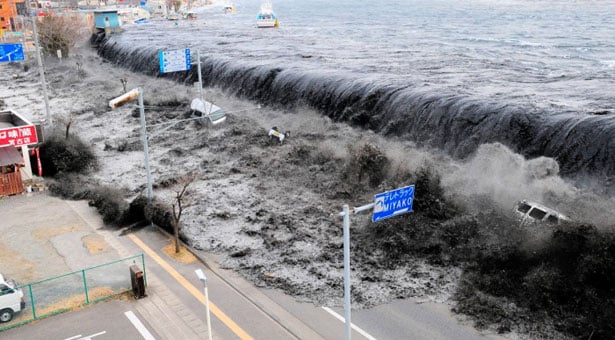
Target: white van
{"type": "Point", "coordinates": [531, 212]}
{"type": "Point", "coordinates": [11, 299]}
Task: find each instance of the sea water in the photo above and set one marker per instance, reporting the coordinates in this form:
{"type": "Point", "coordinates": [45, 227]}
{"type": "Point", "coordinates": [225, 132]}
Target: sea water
{"type": "Point", "coordinates": [537, 76]}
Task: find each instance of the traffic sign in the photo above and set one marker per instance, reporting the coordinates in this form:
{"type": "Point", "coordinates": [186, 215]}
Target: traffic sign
{"type": "Point", "coordinates": [11, 52]}
{"type": "Point", "coordinates": [174, 60]}
{"type": "Point", "coordinates": [392, 203]}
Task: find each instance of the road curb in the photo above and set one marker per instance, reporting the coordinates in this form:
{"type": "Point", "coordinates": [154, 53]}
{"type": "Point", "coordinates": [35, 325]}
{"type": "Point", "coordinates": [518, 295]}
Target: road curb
{"type": "Point", "coordinates": [294, 326]}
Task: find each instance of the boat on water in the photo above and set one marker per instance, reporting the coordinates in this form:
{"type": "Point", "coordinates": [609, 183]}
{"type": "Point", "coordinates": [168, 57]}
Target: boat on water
{"type": "Point", "coordinates": [229, 8]}
{"type": "Point", "coordinates": [190, 15]}
{"type": "Point", "coordinates": [266, 17]}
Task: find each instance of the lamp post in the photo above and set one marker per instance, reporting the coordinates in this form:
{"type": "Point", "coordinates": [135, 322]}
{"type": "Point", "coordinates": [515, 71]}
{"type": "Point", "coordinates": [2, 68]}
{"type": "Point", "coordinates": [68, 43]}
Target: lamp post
{"type": "Point", "coordinates": [203, 278]}
{"type": "Point", "coordinates": [128, 96]}
{"type": "Point", "coordinates": [40, 63]}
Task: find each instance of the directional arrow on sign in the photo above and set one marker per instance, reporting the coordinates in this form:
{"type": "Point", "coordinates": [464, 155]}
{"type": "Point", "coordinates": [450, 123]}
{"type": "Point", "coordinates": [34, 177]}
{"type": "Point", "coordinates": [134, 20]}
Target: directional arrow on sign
{"type": "Point", "coordinates": [11, 52]}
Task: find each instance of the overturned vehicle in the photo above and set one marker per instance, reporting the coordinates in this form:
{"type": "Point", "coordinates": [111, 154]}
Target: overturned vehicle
{"type": "Point", "coordinates": [531, 212]}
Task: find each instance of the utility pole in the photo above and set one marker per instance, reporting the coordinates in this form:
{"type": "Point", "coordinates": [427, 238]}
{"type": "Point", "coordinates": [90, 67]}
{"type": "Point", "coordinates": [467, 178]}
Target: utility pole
{"type": "Point", "coordinates": [40, 63]}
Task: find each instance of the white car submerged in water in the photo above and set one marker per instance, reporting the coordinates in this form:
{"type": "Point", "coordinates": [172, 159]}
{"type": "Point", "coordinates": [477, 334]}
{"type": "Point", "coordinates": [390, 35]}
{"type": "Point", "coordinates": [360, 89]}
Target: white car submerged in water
{"type": "Point", "coordinates": [532, 212]}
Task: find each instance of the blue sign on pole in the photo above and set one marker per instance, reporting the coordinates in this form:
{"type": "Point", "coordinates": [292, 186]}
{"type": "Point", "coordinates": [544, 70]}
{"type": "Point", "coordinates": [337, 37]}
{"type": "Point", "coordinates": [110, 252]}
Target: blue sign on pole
{"type": "Point", "coordinates": [11, 52]}
{"type": "Point", "coordinates": [392, 203]}
{"type": "Point", "coordinates": [174, 60]}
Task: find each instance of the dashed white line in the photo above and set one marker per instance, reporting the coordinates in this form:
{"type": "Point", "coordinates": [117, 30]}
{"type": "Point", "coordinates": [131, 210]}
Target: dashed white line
{"type": "Point", "coordinates": [353, 326]}
{"type": "Point", "coordinates": [139, 326]}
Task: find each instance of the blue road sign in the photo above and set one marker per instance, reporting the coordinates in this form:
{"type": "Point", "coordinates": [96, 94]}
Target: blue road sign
{"type": "Point", "coordinates": [11, 52]}
{"type": "Point", "coordinates": [392, 203]}
{"type": "Point", "coordinates": [174, 60]}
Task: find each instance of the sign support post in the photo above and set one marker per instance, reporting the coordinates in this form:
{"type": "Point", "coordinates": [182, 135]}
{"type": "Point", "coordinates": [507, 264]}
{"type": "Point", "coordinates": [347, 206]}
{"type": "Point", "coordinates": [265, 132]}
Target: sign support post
{"type": "Point", "coordinates": [198, 68]}
{"type": "Point", "coordinates": [387, 204]}
{"type": "Point", "coordinates": [346, 214]}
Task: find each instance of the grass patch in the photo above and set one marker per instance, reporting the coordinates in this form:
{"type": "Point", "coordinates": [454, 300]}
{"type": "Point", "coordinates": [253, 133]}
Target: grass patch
{"type": "Point", "coordinates": [76, 302]}
{"type": "Point", "coordinates": [45, 233]}
{"type": "Point", "coordinates": [184, 255]}
{"type": "Point", "coordinates": [13, 259]}
{"type": "Point", "coordinates": [95, 243]}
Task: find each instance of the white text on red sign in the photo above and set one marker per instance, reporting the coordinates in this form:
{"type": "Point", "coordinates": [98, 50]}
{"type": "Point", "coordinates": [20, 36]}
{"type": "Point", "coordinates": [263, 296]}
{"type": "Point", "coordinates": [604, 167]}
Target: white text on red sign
{"type": "Point", "coordinates": [22, 135]}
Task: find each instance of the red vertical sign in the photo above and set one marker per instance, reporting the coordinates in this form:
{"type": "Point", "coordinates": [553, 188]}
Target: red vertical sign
{"type": "Point", "coordinates": [38, 163]}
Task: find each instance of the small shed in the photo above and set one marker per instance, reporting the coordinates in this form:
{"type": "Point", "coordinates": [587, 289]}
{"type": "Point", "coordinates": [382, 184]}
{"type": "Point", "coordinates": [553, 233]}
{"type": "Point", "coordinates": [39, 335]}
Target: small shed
{"type": "Point", "coordinates": [10, 171]}
{"type": "Point", "coordinates": [107, 18]}
{"type": "Point", "coordinates": [17, 133]}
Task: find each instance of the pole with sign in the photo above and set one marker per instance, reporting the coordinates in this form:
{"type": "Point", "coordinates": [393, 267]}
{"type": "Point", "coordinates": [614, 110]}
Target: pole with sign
{"type": "Point", "coordinates": [198, 68]}
{"type": "Point", "coordinates": [386, 204]}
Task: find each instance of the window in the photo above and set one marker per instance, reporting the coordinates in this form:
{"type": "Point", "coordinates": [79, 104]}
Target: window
{"type": "Point", "coordinates": [523, 207]}
{"type": "Point", "coordinates": [1, 18]}
{"type": "Point", "coordinates": [537, 214]}
{"type": "Point", "coordinates": [4, 289]}
{"type": "Point", "coordinates": [552, 219]}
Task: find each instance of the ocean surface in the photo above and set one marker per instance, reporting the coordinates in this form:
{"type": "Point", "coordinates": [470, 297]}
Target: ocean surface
{"type": "Point", "coordinates": [537, 76]}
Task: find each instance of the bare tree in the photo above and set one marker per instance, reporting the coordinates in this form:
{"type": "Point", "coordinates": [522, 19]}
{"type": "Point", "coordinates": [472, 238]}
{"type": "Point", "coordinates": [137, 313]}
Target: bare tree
{"type": "Point", "coordinates": [59, 32]}
{"type": "Point", "coordinates": [179, 204]}
{"type": "Point", "coordinates": [124, 82]}
{"type": "Point", "coordinates": [176, 5]}
{"type": "Point", "coordinates": [67, 120]}
{"type": "Point", "coordinates": [169, 5]}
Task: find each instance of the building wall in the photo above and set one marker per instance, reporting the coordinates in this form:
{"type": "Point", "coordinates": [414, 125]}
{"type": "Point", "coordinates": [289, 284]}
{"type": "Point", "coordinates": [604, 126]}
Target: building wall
{"type": "Point", "coordinates": [7, 12]}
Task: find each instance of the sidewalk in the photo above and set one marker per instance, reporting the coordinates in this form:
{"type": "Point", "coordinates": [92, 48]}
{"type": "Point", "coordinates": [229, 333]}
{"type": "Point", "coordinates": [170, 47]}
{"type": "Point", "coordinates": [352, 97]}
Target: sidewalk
{"type": "Point", "coordinates": [162, 309]}
{"type": "Point", "coordinates": [44, 236]}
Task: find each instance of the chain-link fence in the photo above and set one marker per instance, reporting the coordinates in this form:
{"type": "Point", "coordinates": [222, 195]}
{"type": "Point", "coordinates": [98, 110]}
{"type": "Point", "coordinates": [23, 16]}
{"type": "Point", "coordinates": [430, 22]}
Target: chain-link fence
{"type": "Point", "coordinates": [72, 290]}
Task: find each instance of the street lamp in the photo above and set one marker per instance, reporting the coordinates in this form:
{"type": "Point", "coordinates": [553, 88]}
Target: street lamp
{"type": "Point", "coordinates": [203, 278]}
{"type": "Point", "coordinates": [40, 63]}
{"type": "Point", "coordinates": [128, 96]}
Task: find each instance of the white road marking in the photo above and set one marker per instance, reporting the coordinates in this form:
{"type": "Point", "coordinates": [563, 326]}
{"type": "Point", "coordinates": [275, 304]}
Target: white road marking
{"type": "Point", "coordinates": [353, 326]}
{"type": "Point", "coordinates": [139, 326]}
{"type": "Point", "coordinates": [87, 337]}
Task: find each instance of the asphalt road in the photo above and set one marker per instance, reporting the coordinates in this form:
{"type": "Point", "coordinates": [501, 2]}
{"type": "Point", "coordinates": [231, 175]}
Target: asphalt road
{"type": "Point", "coordinates": [270, 314]}
{"type": "Point", "coordinates": [100, 322]}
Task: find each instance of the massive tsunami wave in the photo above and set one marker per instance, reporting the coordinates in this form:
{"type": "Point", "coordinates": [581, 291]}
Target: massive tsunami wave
{"type": "Point", "coordinates": [535, 76]}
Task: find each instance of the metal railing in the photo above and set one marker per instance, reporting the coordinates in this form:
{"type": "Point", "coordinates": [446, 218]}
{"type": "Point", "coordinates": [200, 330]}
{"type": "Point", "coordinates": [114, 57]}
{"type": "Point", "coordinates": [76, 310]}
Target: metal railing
{"type": "Point", "coordinates": [76, 289]}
